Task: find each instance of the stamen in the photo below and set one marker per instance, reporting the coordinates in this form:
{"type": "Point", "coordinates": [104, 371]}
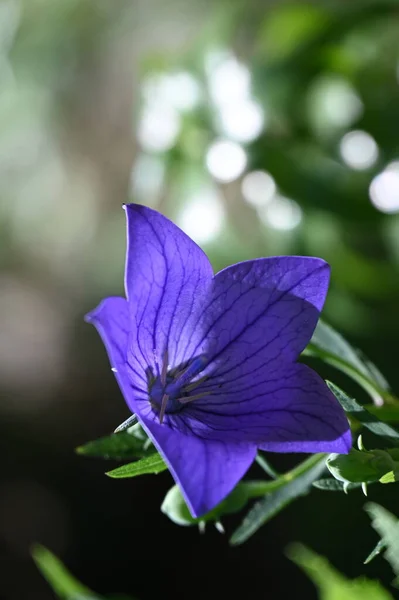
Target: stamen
{"type": "Point", "coordinates": [164, 368]}
{"type": "Point", "coordinates": [194, 384]}
{"type": "Point", "coordinates": [187, 399]}
{"type": "Point", "coordinates": [164, 403]}
{"type": "Point", "coordinates": [192, 370]}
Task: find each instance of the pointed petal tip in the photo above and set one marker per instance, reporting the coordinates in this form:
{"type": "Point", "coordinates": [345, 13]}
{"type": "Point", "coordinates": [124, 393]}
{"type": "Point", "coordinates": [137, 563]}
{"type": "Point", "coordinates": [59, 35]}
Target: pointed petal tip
{"type": "Point", "coordinates": [114, 304]}
{"type": "Point", "coordinates": [92, 316]}
{"type": "Point", "coordinates": [129, 207]}
{"type": "Point", "coordinates": [321, 265]}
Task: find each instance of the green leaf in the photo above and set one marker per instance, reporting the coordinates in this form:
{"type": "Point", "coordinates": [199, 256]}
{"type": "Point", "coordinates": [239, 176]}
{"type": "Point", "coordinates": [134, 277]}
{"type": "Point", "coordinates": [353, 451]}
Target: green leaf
{"type": "Point", "coordinates": [387, 412]}
{"type": "Point", "coordinates": [149, 464]}
{"type": "Point", "coordinates": [328, 345]}
{"type": "Point", "coordinates": [175, 507]}
{"type": "Point", "coordinates": [357, 467]}
{"type": "Point", "coordinates": [328, 339]}
{"type": "Point", "coordinates": [290, 486]}
{"type": "Point", "coordinates": [387, 525]}
{"type": "Point", "coordinates": [390, 477]}
{"type": "Point", "coordinates": [132, 443]}
{"type": "Point", "coordinates": [59, 578]}
{"type": "Point", "coordinates": [331, 584]}
{"type": "Point", "coordinates": [380, 547]}
{"type": "Point", "coordinates": [333, 485]}
{"type": "Point", "coordinates": [357, 411]}
{"type": "Point", "coordinates": [374, 371]}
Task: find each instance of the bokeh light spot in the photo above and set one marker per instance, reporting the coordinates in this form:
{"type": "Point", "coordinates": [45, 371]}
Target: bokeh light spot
{"type": "Point", "coordinates": [229, 80]}
{"type": "Point", "coordinates": [258, 188]}
{"type": "Point", "coordinates": [384, 189]}
{"type": "Point", "coordinates": [281, 213]}
{"type": "Point", "coordinates": [226, 160]}
{"type": "Point", "coordinates": [158, 128]}
{"type": "Point", "coordinates": [179, 90]}
{"type": "Point", "coordinates": [242, 121]}
{"type": "Point", "coordinates": [202, 217]}
{"type": "Point", "coordinates": [334, 103]}
{"type": "Point", "coordinates": [359, 150]}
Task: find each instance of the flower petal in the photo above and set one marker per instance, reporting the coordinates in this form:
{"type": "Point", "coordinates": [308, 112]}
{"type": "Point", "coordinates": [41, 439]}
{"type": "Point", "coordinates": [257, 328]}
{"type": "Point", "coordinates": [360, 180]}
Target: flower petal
{"type": "Point", "coordinates": [167, 277]}
{"type": "Point", "coordinates": [112, 320]}
{"type": "Point", "coordinates": [205, 470]}
{"type": "Point", "coordinates": [289, 409]}
{"type": "Point", "coordinates": [263, 310]}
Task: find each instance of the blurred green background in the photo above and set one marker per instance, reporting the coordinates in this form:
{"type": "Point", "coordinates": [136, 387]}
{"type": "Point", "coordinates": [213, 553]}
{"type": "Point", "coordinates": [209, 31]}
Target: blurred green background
{"type": "Point", "coordinates": [261, 128]}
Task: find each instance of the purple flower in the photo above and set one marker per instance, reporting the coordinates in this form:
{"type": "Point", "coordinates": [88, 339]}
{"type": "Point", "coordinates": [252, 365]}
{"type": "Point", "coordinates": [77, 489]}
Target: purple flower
{"type": "Point", "coordinates": [207, 362]}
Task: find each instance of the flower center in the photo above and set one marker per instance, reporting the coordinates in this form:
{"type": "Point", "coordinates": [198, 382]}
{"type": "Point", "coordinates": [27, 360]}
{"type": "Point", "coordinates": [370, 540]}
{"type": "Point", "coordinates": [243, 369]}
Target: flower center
{"type": "Point", "coordinates": [170, 390]}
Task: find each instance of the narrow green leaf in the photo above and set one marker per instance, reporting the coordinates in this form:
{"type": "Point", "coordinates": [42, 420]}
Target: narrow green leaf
{"type": "Point", "coordinates": [266, 466]}
{"type": "Point", "coordinates": [58, 577]}
{"type": "Point", "coordinates": [330, 346]}
{"type": "Point", "coordinates": [332, 485]}
{"type": "Point", "coordinates": [331, 584]}
{"type": "Point", "coordinates": [328, 339]}
{"type": "Point", "coordinates": [387, 525]}
{"type": "Point", "coordinates": [380, 547]}
{"type": "Point", "coordinates": [291, 485]}
{"type": "Point", "coordinates": [356, 410]}
{"type": "Point", "coordinates": [386, 413]}
{"type": "Point", "coordinates": [149, 464]}
{"type": "Point", "coordinates": [374, 371]}
{"type": "Point", "coordinates": [132, 443]}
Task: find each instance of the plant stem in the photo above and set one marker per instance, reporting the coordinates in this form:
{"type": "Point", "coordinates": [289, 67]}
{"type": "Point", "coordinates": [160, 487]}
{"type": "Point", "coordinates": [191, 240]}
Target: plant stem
{"type": "Point", "coordinates": [260, 488]}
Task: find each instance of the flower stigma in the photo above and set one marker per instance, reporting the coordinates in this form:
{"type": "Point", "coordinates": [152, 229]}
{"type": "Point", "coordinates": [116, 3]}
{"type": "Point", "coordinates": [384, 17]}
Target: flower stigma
{"type": "Point", "coordinates": [171, 390]}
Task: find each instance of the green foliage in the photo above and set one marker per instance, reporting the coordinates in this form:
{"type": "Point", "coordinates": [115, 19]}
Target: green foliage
{"type": "Point", "coordinates": [175, 507]}
{"type": "Point", "coordinates": [380, 547]}
{"type": "Point", "coordinates": [331, 347]}
{"type": "Point", "coordinates": [149, 464]}
{"type": "Point", "coordinates": [289, 486]}
{"type": "Point", "coordinates": [330, 583]}
{"type": "Point", "coordinates": [64, 584]}
{"type": "Point", "coordinates": [333, 485]}
{"type": "Point", "coordinates": [275, 495]}
{"type": "Point", "coordinates": [366, 466]}
{"type": "Point", "coordinates": [349, 471]}
{"type": "Point", "coordinates": [368, 420]}
{"type": "Point", "coordinates": [132, 443]}
{"type": "Point", "coordinates": [386, 413]}
{"type": "Point", "coordinates": [387, 526]}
